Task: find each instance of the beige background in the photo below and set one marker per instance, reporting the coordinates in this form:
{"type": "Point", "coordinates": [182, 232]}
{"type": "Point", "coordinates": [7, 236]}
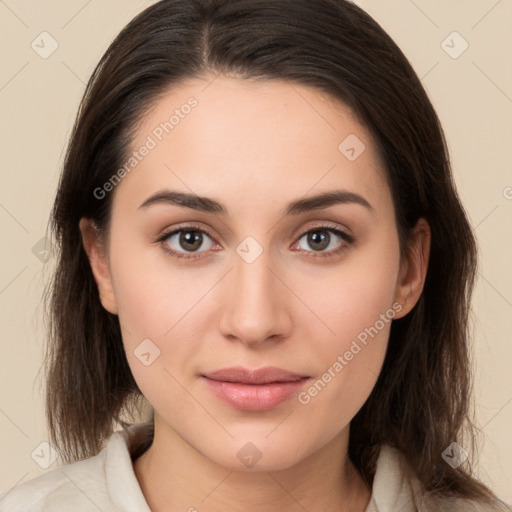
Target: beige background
{"type": "Point", "coordinates": [38, 100]}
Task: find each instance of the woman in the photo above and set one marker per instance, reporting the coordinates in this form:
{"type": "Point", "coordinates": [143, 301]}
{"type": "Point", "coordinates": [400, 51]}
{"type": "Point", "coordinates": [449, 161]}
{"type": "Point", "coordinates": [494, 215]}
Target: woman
{"type": "Point", "coordinates": [260, 237]}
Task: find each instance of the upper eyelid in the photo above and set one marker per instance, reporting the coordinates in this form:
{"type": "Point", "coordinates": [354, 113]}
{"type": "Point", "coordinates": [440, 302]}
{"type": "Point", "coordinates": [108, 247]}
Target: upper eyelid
{"type": "Point", "coordinates": [166, 233]}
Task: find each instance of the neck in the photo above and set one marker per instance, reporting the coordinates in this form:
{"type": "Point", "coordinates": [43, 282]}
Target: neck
{"type": "Point", "coordinates": [174, 476]}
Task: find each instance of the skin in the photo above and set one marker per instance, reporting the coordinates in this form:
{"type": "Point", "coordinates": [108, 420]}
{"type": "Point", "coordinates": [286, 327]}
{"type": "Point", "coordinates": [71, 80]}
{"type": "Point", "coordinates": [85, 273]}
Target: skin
{"type": "Point", "coordinates": [254, 147]}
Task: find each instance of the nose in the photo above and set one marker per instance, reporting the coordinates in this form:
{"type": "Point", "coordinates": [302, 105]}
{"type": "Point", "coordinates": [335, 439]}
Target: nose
{"type": "Point", "coordinates": [257, 307]}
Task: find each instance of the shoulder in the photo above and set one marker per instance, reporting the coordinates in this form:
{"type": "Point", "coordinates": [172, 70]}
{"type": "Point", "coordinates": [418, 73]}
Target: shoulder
{"type": "Point", "coordinates": [78, 486]}
{"type": "Point", "coordinates": [105, 482]}
{"type": "Point", "coordinates": [396, 487]}
{"type": "Point", "coordinates": [432, 503]}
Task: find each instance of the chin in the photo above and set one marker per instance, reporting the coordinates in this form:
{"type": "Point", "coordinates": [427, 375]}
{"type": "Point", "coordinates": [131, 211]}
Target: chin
{"type": "Point", "coordinates": [258, 455]}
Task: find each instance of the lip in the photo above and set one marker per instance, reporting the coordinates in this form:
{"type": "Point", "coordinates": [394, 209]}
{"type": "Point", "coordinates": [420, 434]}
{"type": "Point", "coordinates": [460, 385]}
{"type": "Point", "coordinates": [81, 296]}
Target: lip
{"type": "Point", "coordinates": [254, 390]}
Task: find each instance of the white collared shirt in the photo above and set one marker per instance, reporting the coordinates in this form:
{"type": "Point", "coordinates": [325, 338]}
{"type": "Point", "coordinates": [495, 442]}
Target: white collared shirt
{"type": "Point", "coordinates": [107, 482]}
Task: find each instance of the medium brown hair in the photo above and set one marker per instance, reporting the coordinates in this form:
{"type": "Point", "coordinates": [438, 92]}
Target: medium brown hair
{"type": "Point", "coordinates": [421, 401]}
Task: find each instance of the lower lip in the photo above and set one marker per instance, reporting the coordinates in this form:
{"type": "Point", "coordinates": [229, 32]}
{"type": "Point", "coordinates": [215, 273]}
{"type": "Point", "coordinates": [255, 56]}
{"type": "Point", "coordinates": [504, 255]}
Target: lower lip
{"type": "Point", "coordinates": [254, 397]}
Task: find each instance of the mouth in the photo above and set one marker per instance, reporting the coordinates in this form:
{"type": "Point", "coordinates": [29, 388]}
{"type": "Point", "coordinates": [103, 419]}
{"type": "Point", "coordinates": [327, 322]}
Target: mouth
{"type": "Point", "coordinates": [254, 390]}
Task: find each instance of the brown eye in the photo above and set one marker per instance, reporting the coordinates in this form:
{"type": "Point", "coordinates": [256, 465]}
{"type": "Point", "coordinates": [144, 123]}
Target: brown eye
{"type": "Point", "coordinates": [186, 240]}
{"type": "Point", "coordinates": [190, 240]}
{"type": "Point", "coordinates": [318, 240]}
{"type": "Point", "coordinates": [323, 239]}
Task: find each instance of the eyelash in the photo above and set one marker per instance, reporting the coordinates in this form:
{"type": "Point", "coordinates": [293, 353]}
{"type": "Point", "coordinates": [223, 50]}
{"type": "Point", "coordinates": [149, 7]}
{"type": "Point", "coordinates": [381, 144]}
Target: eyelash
{"type": "Point", "coordinates": [348, 240]}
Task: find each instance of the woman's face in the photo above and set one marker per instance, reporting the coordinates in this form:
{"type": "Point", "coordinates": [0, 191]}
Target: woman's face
{"type": "Point", "coordinates": [258, 276]}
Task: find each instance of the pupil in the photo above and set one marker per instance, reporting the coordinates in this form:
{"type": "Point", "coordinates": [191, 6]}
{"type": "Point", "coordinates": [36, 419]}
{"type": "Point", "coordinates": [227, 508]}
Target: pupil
{"type": "Point", "coordinates": [318, 237]}
{"type": "Point", "coordinates": [189, 237]}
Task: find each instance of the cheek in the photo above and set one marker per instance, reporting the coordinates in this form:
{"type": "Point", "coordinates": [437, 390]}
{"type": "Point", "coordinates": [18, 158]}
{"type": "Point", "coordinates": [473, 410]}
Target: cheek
{"type": "Point", "coordinates": [357, 304]}
{"type": "Point", "coordinates": [351, 297]}
{"type": "Point", "coordinates": [161, 310]}
{"type": "Point", "coordinates": [152, 293]}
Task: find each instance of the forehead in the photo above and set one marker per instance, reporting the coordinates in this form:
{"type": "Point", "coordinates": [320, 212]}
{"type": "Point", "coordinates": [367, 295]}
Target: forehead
{"type": "Point", "coordinates": [253, 139]}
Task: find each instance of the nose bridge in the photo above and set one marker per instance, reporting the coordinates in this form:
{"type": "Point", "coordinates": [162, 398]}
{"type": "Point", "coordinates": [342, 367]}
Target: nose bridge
{"type": "Point", "coordinates": [256, 308]}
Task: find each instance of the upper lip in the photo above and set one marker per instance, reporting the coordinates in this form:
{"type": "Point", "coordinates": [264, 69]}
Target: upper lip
{"type": "Point", "coordinates": [243, 375]}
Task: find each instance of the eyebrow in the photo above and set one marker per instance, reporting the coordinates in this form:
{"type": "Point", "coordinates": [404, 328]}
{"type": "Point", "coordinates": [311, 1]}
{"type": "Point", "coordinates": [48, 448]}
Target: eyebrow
{"type": "Point", "coordinates": [206, 204]}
